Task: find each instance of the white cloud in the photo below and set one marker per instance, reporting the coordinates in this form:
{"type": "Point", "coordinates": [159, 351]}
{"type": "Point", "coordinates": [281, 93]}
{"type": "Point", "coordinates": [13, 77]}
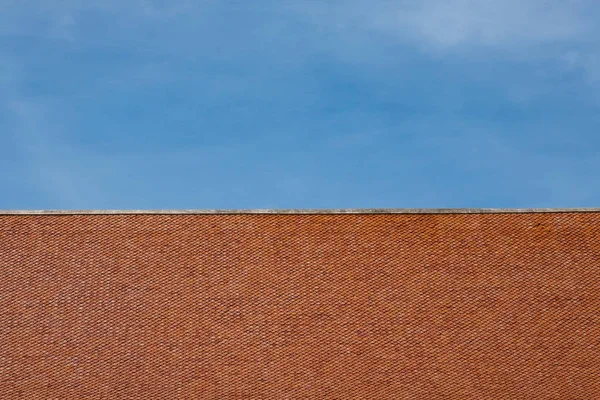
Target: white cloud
{"type": "Point", "coordinates": [551, 31]}
{"type": "Point", "coordinates": [450, 24]}
{"type": "Point", "coordinates": [557, 32]}
{"type": "Point", "coordinates": [434, 25]}
{"type": "Point", "coordinates": [291, 34]}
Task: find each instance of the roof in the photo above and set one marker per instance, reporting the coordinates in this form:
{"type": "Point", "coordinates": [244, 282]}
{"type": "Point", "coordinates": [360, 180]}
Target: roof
{"type": "Point", "coordinates": [310, 211]}
{"type": "Point", "coordinates": [319, 304]}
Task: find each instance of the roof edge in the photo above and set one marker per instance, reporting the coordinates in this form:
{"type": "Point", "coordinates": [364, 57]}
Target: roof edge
{"type": "Point", "coordinates": [308, 211]}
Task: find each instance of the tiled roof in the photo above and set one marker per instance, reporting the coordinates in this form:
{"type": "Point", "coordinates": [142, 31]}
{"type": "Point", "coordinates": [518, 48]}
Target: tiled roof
{"type": "Point", "coordinates": [308, 211]}
{"type": "Point", "coordinates": [372, 304]}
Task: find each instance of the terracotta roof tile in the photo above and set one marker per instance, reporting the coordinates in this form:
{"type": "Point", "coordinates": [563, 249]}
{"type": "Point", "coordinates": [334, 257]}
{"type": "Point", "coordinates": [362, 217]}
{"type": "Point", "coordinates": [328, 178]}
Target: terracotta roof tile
{"type": "Point", "coordinates": [300, 306]}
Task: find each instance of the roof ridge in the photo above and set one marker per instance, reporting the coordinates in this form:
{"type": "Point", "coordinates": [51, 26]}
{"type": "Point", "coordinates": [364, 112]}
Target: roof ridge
{"type": "Point", "coordinates": [305, 211]}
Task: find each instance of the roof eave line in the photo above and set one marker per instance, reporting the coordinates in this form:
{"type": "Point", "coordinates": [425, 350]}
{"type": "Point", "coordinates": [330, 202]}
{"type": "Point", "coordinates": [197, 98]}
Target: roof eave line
{"type": "Point", "coordinates": [305, 211]}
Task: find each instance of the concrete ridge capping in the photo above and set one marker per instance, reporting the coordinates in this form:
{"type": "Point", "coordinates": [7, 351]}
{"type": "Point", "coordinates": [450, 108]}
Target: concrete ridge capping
{"type": "Point", "coordinates": [308, 211]}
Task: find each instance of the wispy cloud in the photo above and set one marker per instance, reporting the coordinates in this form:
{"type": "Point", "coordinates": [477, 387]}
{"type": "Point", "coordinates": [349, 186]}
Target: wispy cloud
{"type": "Point", "coordinates": [542, 28]}
{"type": "Point", "coordinates": [560, 31]}
{"type": "Point", "coordinates": [455, 24]}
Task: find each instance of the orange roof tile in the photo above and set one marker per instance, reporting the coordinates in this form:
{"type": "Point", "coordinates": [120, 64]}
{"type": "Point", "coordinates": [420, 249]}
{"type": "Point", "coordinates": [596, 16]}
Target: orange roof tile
{"type": "Point", "coordinates": [479, 305]}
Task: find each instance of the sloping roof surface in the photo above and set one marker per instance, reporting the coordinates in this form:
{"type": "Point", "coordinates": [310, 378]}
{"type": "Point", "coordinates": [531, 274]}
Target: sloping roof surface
{"type": "Point", "coordinates": [300, 306]}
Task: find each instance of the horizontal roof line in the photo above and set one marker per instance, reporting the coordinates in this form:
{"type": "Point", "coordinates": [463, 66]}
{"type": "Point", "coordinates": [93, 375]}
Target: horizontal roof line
{"type": "Point", "coordinates": [308, 211]}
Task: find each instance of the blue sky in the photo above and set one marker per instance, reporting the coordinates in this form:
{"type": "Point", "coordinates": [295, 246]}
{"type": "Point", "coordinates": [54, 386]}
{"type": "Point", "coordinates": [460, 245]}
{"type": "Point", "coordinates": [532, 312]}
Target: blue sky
{"type": "Point", "coordinates": [299, 104]}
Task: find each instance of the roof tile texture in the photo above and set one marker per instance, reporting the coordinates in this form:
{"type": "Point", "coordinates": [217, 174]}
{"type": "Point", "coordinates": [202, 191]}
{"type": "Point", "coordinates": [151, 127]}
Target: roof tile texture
{"type": "Point", "coordinates": [373, 306]}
